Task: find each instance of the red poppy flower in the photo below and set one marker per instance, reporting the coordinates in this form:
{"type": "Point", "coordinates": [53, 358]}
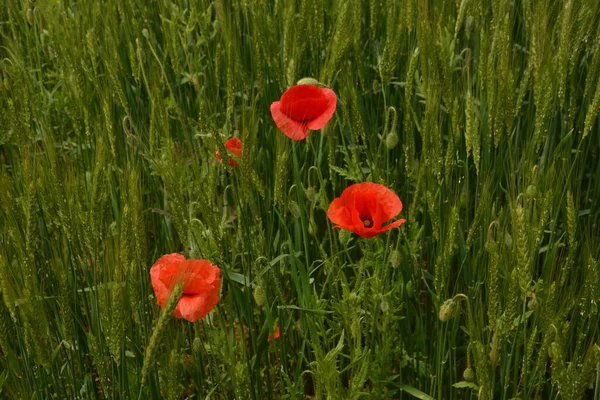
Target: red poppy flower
{"type": "Point", "coordinates": [201, 283]}
{"type": "Point", "coordinates": [303, 107]}
{"type": "Point", "coordinates": [234, 145]}
{"type": "Point", "coordinates": [363, 208]}
{"type": "Point", "coordinates": [276, 334]}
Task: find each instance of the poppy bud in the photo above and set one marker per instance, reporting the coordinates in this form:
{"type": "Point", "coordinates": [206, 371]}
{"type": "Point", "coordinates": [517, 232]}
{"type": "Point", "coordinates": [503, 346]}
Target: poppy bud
{"type": "Point", "coordinates": [469, 25]}
{"type": "Point", "coordinates": [447, 310]}
{"type": "Point", "coordinates": [508, 240]}
{"type": "Point", "coordinates": [259, 294]}
{"type": "Point", "coordinates": [312, 228]}
{"type": "Point", "coordinates": [532, 303]}
{"type": "Point", "coordinates": [376, 86]}
{"type": "Point", "coordinates": [145, 33]}
{"type": "Point", "coordinates": [531, 191]}
{"type": "Point", "coordinates": [308, 81]}
{"type": "Point", "coordinates": [197, 345]}
{"type": "Point", "coordinates": [294, 209]}
{"type": "Point", "coordinates": [494, 356]}
{"type": "Point", "coordinates": [469, 374]}
{"type": "Point", "coordinates": [353, 296]}
{"type": "Point", "coordinates": [553, 351]}
{"type": "Point", "coordinates": [30, 19]}
{"type": "Point", "coordinates": [384, 305]}
{"type": "Point", "coordinates": [410, 288]}
{"type": "Point", "coordinates": [391, 140]}
{"type": "Point", "coordinates": [395, 258]}
{"type": "Point", "coordinates": [311, 194]}
{"type": "Point", "coordinates": [344, 236]}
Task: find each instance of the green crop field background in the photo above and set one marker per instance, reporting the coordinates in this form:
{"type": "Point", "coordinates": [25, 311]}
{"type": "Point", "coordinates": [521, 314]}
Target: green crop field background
{"type": "Point", "coordinates": [481, 115]}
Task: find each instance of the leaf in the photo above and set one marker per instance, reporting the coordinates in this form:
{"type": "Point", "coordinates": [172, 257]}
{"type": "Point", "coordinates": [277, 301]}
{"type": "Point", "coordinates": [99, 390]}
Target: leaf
{"type": "Point", "coordinates": [465, 384]}
{"type": "Point", "coordinates": [293, 307]}
{"type": "Point", "coordinates": [236, 277]}
{"type": "Point", "coordinates": [415, 392]}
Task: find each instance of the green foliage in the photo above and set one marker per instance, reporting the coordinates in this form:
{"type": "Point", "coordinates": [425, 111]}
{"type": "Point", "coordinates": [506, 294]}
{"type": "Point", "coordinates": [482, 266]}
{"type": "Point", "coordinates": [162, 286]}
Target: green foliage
{"type": "Point", "coordinates": [481, 115]}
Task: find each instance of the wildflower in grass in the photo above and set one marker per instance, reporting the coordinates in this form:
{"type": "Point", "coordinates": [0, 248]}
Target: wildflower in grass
{"type": "Point", "coordinates": [201, 283]}
{"type": "Point", "coordinates": [363, 208]}
{"type": "Point", "coordinates": [303, 107]}
{"type": "Point", "coordinates": [275, 334]}
{"type": "Point", "coordinates": [234, 145]}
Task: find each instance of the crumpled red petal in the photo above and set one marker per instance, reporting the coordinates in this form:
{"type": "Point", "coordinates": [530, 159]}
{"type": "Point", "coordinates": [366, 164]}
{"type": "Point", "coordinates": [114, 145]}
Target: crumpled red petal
{"type": "Point", "coordinates": [293, 129]}
{"type": "Point", "coordinates": [339, 214]}
{"type": "Point", "coordinates": [200, 276]}
{"type": "Point", "coordinates": [322, 120]}
{"type": "Point", "coordinates": [195, 307]}
{"type": "Point", "coordinates": [235, 146]}
{"type": "Point", "coordinates": [304, 102]}
{"type": "Point", "coordinates": [161, 274]}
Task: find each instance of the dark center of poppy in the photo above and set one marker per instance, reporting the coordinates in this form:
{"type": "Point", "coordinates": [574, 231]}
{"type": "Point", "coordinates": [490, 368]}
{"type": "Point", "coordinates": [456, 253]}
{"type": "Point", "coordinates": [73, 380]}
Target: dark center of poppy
{"type": "Point", "coordinates": [367, 222]}
{"type": "Point", "coordinates": [303, 102]}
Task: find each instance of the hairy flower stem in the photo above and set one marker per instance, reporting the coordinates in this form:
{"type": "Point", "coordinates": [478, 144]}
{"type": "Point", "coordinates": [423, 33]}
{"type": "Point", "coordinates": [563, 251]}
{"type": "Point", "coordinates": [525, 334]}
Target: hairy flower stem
{"type": "Point", "coordinates": [159, 329]}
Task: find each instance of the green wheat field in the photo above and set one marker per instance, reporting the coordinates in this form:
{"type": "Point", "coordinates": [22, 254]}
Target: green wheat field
{"type": "Point", "coordinates": [481, 115]}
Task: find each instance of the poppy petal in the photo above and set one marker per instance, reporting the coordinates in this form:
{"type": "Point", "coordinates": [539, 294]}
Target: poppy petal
{"type": "Point", "coordinates": [197, 306]}
{"type": "Point", "coordinates": [200, 276]}
{"type": "Point", "coordinates": [161, 275]}
{"type": "Point", "coordinates": [394, 224]}
{"type": "Point", "coordinates": [389, 203]}
{"type": "Point", "coordinates": [293, 129]}
{"type": "Point", "coordinates": [276, 334]}
{"type": "Point", "coordinates": [338, 213]}
{"type": "Point", "coordinates": [235, 146]}
{"type": "Point", "coordinates": [322, 120]}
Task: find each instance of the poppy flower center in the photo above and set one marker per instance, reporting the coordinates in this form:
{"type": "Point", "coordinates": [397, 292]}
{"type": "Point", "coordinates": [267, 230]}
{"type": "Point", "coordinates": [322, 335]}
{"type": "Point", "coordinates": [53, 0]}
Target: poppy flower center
{"type": "Point", "coordinates": [367, 222]}
{"type": "Point", "coordinates": [303, 102]}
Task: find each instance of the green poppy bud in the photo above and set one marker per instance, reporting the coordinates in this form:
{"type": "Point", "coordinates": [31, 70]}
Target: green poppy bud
{"type": "Point", "coordinates": [508, 241]}
{"type": "Point", "coordinates": [553, 351]}
{"type": "Point", "coordinates": [469, 374]}
{"type": "Point", "coordinates": [531, 191]}
{"type": "Point", "coordinates": [494, 356]}
{"type": "Point", "coordinates": [391, 140]}
{"type": "Point", "coordinates": [376, 86]}
{"type": "Point", "coordinates": [344, 236]}
{"type": "Point", "coordinates": [447, 310]}
{"type": "Point", "coordinates": [311, 194]}
{"type": "Point", "coordinates": [197, 345]}
{"type": "Point", "coordinates": [384, 305]}
{"type": "Point", "coordinates": [395, 258]}
{"type": "Point", "coordinates": [259, 294]}
{"type": "Point", "coordinates": [30, 19]}
{"type": "Point", "coordinates": [410, 288]}
{"type": "Point", "coordinates": [308, 81]}
{"type": "Point", "coordinates": [532, 304]}
{"type": "Point", "coordinates": [294, 209]}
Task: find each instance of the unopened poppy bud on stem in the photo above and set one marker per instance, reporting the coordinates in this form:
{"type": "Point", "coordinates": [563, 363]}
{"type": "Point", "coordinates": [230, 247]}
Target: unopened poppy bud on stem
{"type": "Point", "coordinates": [259, 294]}
{"type": "Point", "coordinates": [391, 140]}
{"type": "Point", "coordinates": [294, 209]}
{"type": "Point", "coordinates": [532, 303]}
{"type": "Point", "coordinates": [308, 81]}
{"type": "Point", "coordinates": [447, 310]}
{"type": "Point", "coordinates": [469, 374]}
{"type": "Point", "coordinates": [344, 236]}
{"type": "Point", "coordinates": [311, 194]}
{"type": "Point", "coordinates": [395, 258]}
